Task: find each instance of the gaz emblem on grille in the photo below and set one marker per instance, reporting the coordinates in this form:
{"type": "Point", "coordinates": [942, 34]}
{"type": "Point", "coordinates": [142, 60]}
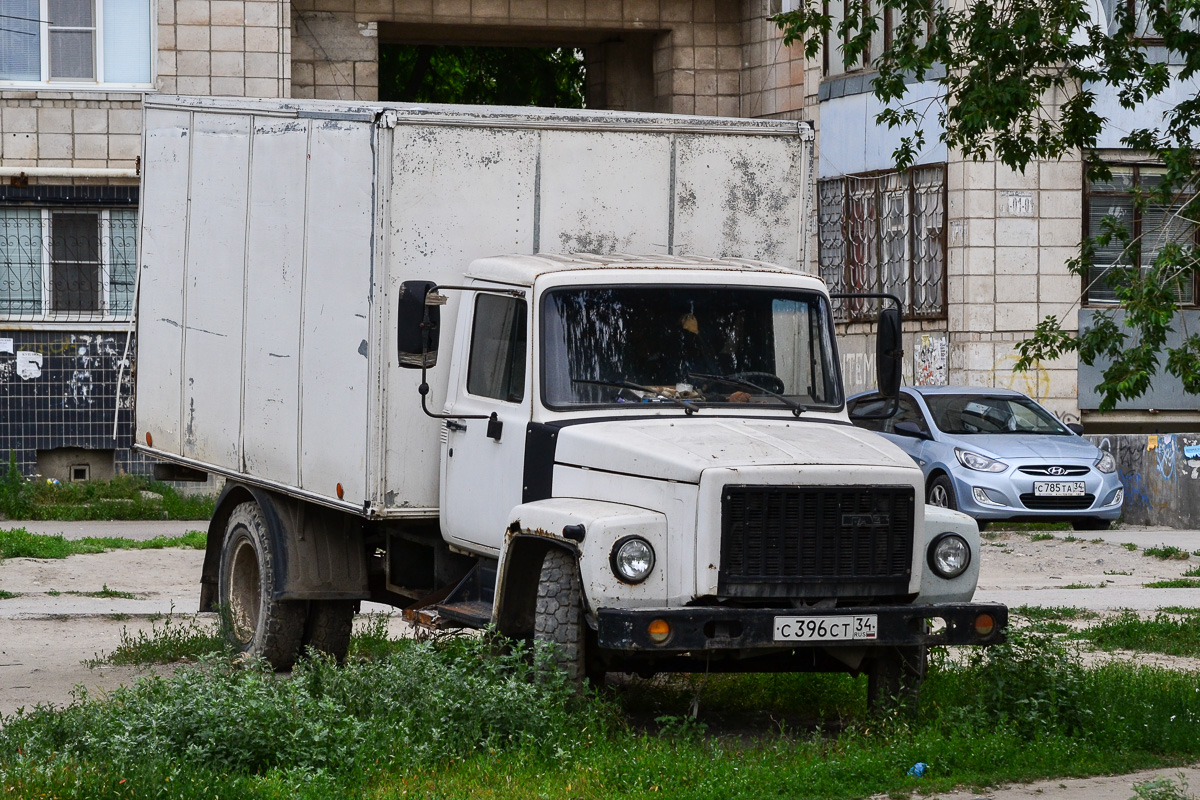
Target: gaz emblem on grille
{"type": "Point", "coordinates": [861, 520]}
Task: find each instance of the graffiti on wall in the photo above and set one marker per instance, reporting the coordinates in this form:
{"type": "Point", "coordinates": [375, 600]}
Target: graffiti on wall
{"type": "Point", "coordinates": [1034, 381]}
{"type": "Point", "coordinates": [929, 361]}
{"type": "Point", "coordinates": [1191, 454]}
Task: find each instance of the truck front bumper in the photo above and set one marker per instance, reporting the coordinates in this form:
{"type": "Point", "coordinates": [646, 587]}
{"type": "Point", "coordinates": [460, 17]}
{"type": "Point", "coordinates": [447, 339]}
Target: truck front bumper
{"type": "Point", "coordinates": [718, 628]}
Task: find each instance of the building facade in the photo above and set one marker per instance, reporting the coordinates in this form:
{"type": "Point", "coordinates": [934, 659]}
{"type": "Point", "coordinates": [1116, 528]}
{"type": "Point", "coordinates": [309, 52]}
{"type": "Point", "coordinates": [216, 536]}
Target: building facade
{"type": "Point", "coordinates": [976, 251]}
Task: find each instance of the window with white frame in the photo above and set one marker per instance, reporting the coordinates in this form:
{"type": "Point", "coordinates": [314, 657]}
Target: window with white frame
{"type": "Point", "coordinates": [75, 42]}
{"type": "Point", "coordinates": [67, 263]}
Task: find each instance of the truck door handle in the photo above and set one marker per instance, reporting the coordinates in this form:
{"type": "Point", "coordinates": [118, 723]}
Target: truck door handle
{"type": "Point", "coordinates": [455, 425]}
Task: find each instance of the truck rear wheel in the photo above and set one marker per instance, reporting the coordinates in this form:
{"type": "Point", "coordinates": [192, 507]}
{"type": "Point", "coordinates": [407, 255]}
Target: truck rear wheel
{"type": "Point", "coordinates": [558, 618]}
{"type": "Point", "coordinates": [894, 679]}
{"type": "Point", "coordinates": [259, 625]}
{"type": "Point", "coordinates": [329, 625]}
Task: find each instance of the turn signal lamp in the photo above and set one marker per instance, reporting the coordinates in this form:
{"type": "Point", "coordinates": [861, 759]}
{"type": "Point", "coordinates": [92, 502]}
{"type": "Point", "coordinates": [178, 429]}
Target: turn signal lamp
{"type": "Point", "coordinates": [149, 439]}
{"type": "Point", "coordinates": [659, 631]}
{"type": "Point", "coordinates": [341, 492]}
{"type": "Point", "coordinates": [984, 624]}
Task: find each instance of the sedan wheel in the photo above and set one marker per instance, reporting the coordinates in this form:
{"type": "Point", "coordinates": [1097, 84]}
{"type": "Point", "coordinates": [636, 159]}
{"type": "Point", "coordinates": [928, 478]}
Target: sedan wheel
{"type": "Point", "coordinates": [941, 493]}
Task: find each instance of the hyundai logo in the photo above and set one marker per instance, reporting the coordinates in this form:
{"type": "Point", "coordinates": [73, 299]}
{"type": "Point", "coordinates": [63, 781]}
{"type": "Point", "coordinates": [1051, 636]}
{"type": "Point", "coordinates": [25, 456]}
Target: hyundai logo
{"type": "Point", "coordinates": [1056, 470]}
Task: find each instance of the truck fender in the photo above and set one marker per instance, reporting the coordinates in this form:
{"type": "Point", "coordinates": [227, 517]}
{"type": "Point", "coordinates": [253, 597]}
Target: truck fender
{"type": "Point", "coordinates": [589, 529]}
{"type": "Point", "coordinates": [321, 553]}
{"type": "Point", "coordinates": [934, 588]}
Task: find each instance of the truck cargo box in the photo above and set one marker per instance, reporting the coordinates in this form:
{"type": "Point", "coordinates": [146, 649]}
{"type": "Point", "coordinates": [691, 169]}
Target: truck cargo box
{"type": "Point", "coordinates": [275, 235]}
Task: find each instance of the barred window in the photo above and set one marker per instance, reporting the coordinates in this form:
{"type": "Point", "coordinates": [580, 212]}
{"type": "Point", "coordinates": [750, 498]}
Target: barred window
{"type": "Point", "coordinates": [67, 263]}
{"type": "Point", "coordinates": [885, 233]}
{"type": "Point", "coordinates": [1151, 227]}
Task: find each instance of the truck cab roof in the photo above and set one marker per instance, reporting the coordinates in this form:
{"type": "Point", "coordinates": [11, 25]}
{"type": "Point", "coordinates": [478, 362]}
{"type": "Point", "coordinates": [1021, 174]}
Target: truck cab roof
{"type": "Point", "coordinates": [523, 270]}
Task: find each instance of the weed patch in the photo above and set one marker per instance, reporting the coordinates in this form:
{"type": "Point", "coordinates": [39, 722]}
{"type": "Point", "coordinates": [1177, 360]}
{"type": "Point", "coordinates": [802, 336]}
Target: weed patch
{"type": "Point", "coordinates": [1130, 546]}
{"type": "Point", "coordinates": [1040, 537]}
{"type": "Point", "coordinates": [107, 593]}
{"type": "Point", "coordinates": [456, 718]}
{"type": "Point", "coordinates": [20, 543]}
{"type": "Point", "coordinates": [1174, 583]}
{"type": "Point", "coordinates": [175, 639]}
{"type": "Point", "coordinates": [1164, 633]}
{"type": "Point", "coordinates": [8, 595]}
{"type": "Point", "coordinates": [121, 498]}
{"type": "Point", "coordinates": [1167, 552]}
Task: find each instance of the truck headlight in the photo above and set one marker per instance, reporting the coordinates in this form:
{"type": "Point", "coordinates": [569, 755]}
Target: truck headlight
{"type": "Point", "coordinates": [949, 555]}
{"type": "Point", "coordinates": [632, 559]}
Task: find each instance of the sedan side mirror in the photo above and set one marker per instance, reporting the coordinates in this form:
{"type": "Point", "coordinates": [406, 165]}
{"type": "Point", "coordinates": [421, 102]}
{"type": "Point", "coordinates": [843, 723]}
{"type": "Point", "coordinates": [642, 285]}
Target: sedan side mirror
{"type": "Point", "coordinates": [910, 429]}
{"type": "Point", "coordinates": [1076, 428]}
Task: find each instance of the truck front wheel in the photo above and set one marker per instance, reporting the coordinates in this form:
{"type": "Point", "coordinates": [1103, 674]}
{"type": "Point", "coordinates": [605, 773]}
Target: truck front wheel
{"type": "Point", "coordinates": [558, 618]}
{"type": "Point", "coordinates": [259, 625]}
{"type": "Point", "coordinates": [894, 678]}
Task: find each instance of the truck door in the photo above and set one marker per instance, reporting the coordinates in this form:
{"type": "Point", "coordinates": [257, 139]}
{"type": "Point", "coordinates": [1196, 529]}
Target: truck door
{"type": "Point", "coordinates": [483, 459]}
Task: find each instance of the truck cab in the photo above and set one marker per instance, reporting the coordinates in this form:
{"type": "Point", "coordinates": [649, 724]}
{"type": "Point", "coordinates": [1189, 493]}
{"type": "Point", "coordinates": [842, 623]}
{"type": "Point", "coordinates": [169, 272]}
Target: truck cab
{"type": "Point", "coordinates": [656, 454]}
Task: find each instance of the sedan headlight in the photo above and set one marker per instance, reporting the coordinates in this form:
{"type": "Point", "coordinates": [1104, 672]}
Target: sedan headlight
{"type": "Point", "coordinates": [1107, 464]}
{"type": "Point", "coordinates": [977, 462]}
{"type": "Point", "coordinates": [949, 555]}
{"type": "Point", "coordinates": [632, 559]}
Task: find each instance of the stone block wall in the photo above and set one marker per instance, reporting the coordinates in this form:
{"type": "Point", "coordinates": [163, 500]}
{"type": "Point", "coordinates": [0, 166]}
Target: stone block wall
{"type": "Point", "coordinates": [239, 48]}
{"type": "Point", "coordinates": [1010, 237]}
{"type": "Point", "coordinates": [677, 56]}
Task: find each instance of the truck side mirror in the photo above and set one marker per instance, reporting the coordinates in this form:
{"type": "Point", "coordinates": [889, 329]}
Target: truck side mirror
{"type": "Point", "coordinates": [418, 321]}
{"type": "Point", "coordinates": [889, 350]}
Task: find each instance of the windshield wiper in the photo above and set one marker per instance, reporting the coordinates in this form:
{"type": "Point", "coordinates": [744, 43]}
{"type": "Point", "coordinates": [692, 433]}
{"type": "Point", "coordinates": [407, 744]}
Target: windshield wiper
{"type": "Point", "coordinates": [690, 408]}
{"type": "Point", "coordinates": [797, 408]}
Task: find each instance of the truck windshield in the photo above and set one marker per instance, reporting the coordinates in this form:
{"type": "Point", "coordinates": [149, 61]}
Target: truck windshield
{"type": "Point", "coordinates": [689, 346]}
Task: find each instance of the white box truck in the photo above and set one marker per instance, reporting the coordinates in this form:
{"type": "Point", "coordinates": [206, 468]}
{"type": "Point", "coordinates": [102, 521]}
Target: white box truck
{"type": "Point", "coordinates": [554, 371]}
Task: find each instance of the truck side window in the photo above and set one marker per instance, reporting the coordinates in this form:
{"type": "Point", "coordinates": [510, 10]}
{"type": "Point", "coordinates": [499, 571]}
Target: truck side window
{"type": "Point", "coordinates": [496, 367]}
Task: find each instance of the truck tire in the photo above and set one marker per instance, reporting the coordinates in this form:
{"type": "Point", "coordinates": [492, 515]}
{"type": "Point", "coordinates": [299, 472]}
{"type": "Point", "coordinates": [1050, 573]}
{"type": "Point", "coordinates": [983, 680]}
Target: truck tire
{"type": "Point", "coordinates": [329, 625]}
{"type": "Point", "coordinates": [894, 678]}
{"type": "Point", "coordinates": [558, 617]}
{"type": "Point", "coordinates": [259, 625]}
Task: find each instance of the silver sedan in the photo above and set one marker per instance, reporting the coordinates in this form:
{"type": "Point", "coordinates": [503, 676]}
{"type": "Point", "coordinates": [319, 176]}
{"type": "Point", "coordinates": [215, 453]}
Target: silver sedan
{"type": "Point", "coordinates": [997, 455]}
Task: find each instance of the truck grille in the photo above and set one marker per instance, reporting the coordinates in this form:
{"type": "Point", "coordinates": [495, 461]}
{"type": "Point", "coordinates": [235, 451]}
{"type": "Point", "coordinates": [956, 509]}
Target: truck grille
{"type": "Point", "coordinates": [816, 541]}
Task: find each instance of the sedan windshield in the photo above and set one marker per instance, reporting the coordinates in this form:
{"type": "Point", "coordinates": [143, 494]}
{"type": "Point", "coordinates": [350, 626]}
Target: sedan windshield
{"type": "Point", "coordinates": [688, 346]}
{"type": "Point", "coordinates": [972, 413]}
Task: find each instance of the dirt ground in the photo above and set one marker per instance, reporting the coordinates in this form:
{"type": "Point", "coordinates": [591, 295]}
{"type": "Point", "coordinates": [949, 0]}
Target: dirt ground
{"type": "Point", "coordinates": [53, 626]}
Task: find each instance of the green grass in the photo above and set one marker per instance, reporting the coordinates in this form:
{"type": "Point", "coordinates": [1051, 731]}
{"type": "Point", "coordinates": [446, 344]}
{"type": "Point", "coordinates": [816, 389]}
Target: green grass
{"type": "Point", "coordinates": [1164, 633]}
{"type": "Point", "coordinates": [1116, 572]}
{"type": "Point", "coordinates": [1084, 586]}
{"type": "Point", "coordinates": [454, 718]}
{"type": "Point", "coordinates": [118, 499]}
{"type": "Point", "coordinates": [1026, 527]}
{"type": "Point", "coordinates": [1040, 537]}
{"type": "Point", "coordinates": [8, 595]}
{"type": "Point", "coordinates": [1037, 613]}
{"type": "Point", "coordinates": [1130, 546]}
{"type": "Point", "coordinates": [170, 639]}
{"type": "Point", "coordinates": [1167, 552]}
{"type": "Point", "coordinates": [106, 593]}
{"type": "Point", "coordinates": [20, 543]}
{"type": "Point", "coordinates": [1174, 583]}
